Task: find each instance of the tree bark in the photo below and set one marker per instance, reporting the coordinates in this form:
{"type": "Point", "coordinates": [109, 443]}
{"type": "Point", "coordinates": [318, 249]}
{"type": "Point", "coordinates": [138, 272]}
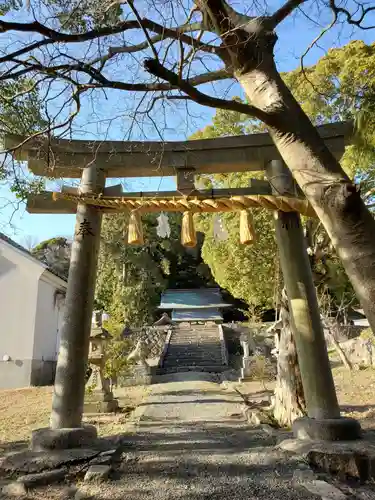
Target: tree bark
{"type": "Point", "coordinates": [334, 197]}
{"type": "Point", "coordinates": [330, 327]}
{"type": "Point", "coordinates": [289, 401]}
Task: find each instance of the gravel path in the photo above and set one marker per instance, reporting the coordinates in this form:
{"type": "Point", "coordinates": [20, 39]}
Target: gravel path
{"type": "Point", "coordinates": [191, 401]}
{"type": "Point", "coordinates": [193, 443]}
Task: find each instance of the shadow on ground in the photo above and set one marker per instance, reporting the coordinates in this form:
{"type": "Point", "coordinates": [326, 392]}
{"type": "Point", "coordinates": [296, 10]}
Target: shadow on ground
{"type": "Point", "coordinates": [188, 401]}
{"type": "Point", "coordinates": [194, 460]}
{"type": "Point", "coordinates": [209, 437]}
{"type": "Point", "coordinates": [364, 413]}
{"type": "Point", "coordinates": [357, 408]}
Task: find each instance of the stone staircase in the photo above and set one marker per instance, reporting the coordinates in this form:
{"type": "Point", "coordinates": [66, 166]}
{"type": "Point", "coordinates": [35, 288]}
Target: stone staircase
{"type": "Point", "coordinates": [194, 348]}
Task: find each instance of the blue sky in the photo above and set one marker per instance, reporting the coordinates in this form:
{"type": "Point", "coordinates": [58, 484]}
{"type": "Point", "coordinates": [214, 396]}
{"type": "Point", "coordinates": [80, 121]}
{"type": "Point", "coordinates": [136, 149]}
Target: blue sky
{"type": "Point", "coordinates": [295, 35]}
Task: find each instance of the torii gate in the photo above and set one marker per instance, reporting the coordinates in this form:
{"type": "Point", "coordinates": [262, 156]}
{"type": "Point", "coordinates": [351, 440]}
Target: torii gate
{"type": "Point", "coordinates": [94, 161]}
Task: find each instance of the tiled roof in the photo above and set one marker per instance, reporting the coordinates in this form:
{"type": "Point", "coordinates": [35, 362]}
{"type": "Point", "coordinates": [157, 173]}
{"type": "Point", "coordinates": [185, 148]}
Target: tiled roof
{"type": "Point", "coordinates": [201, 298]}
{"type": "Point", "coordinates": [8, 240]}
{"type": "Point", "coordinates": [11, 242]}
{"type": "Point", "coordinates": [210, 314]}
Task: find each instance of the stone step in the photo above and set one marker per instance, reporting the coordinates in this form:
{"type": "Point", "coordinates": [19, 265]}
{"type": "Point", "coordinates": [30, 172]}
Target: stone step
{"type": "Point", "coordinates": [194, 355]}
{"type": "Point", "coordinates": [196, 337]}
{"type": "Point", "coordinates": [195, 334]}
{"type": "Point", "coordinates": [198, 368]}
{"type": "Point", "coordinates": [203, 333]}
{"type": "Point", "coordinates": [203, 358]}
{"type": "Point", "coordinates": [196, 328]}
{"type": "Point", "coordinates": [207, 368]}
{"type": "Point", "coordinates": [211, 340]}
{"type": "Point", "coordinates": [189, 333]}
{"type": "Point", "coordinates": [197, 365]}
{"type": "Point", "coordinates": [184, 345]}
{"type": "Point", "coordinates": [201, 353]}
{"type": "Point", "coordinates": [200, 359]}
{"type": "Point", "coordinates": [193, 347]}
{"type": "Point", "coordinates": [195, 344]}
{"type": "Point", "coordinates": [205, 345]}
{"type": "Point", "coordinates": [193, 361]}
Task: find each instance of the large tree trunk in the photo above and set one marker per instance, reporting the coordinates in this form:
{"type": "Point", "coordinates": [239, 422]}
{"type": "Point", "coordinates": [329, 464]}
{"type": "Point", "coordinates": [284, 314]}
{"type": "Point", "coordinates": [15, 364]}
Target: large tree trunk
{"type": "Point", "coordinates": [249, 45]}
{"type": "Point", "coordinates": [289, 401]}
{"type": "Point", "coordinates": [335, 199]}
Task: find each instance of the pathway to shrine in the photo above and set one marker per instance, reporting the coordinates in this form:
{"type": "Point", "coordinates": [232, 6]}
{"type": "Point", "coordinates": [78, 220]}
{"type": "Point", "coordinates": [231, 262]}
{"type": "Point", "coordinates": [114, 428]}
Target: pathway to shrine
{"type": "Point", "coordinates": [191, 441]}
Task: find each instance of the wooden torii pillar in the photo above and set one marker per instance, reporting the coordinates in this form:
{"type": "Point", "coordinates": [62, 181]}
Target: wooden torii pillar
{"type": "Point", "coordinates": [118, 159]}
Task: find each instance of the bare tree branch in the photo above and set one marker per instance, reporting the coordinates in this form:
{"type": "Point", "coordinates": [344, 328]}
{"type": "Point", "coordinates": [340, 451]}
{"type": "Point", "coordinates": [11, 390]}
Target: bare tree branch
{"type": "Point", "coordinates": [139, 20]}
{"type": "Point", "coordinates": [209, 77]}
{"type": "Point", "coordinates": [156, 69]}
{"type": "Point", "coordinates": [285, 11]}
{"type": "Point", "coordinates": [177, 33]}
{"type": "Point", "coordinates": [25, 50]}
{"type": "Point", "coordinates": [349, 17]}
{"type": "Point", "coordinates": [47, 130]}
{"type": "Point", "coordinates": [314, 42]}
{"type": "Point", "coordinates": [56, 36]}
{"type": "Point", "coordinates": [63, 71]}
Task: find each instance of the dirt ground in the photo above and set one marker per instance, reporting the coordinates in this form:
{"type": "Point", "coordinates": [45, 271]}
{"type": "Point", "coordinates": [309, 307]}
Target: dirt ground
{"type": "Point", "coordinates": [355, 392]}
{"type": "Point", "coordinates": [23, 410]}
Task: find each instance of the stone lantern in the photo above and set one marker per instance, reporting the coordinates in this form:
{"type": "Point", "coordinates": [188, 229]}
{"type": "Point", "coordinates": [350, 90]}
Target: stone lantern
{"type": "Point", "coordinates": [99, 397]}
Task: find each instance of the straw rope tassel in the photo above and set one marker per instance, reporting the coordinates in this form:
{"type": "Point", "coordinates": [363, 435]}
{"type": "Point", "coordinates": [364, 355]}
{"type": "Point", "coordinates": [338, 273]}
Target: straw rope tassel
{"type": "Point", "coordinates": [135, 231]}
{"type": "Point", "coordinates": [188, 234]}
{"type": "Point", "coordinates": [247, 231]}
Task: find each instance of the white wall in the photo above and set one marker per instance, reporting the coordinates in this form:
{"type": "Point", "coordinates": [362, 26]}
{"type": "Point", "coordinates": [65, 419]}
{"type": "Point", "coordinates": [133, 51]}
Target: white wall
{"type": "Point", "coordinates": [60, 321]}
{"type": "Point", "coordinates": [48, 321]}
{"type": "Point", "coordinates": [19, 277]}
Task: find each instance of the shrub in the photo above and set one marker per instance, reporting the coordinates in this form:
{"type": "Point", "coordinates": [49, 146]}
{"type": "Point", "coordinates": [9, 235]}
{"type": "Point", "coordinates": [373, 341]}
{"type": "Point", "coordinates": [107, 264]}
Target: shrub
{"type": "Point", "coordinates": [117, 351]}
{"type": "Point", "coordinates": [368, 334]}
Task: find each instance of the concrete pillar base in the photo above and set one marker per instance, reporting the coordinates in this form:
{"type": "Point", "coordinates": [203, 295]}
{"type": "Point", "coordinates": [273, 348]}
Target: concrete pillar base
{"type": "Point", "coordinates": [59, 439]}
{"type": "Point", "coordinates": [328, 429]}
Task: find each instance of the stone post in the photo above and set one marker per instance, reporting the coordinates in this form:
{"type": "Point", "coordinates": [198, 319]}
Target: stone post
{"type": "Point", "coordinates": [245, 347]}
{"type": "Point", "coordinates": [69, 390]}
{"type": "Point", "coordinates": [316, 374]}
{"type": "Point", "coordinates": [247, 360]}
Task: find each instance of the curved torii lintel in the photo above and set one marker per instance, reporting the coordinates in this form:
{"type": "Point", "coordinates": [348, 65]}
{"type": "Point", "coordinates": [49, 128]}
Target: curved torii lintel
{"type": "Point", "coordinates": [66, 158]}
